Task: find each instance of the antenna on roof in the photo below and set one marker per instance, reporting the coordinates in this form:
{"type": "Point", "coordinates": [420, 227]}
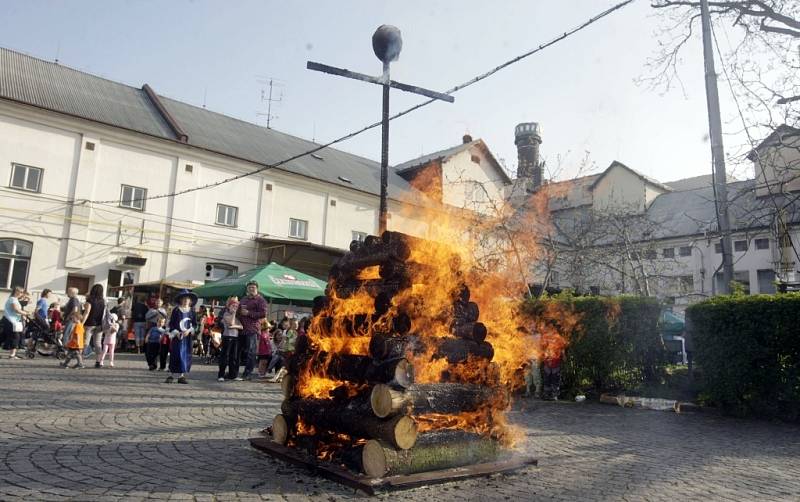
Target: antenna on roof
{"type": "Point", "coordinates": [270, 84]}
{"type": "Point", "coordinates": [58, 51]}
{"type": "Point", "coordinates": [205, 94]}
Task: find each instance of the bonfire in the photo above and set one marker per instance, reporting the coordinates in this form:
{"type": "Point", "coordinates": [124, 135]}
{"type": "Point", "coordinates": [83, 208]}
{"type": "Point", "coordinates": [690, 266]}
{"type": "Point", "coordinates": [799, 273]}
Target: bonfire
{"type": "Point", "coordinates": [410, 362]}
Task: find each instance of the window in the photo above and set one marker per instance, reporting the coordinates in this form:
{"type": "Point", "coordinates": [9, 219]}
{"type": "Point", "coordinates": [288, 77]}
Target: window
{"type": "Point", "coordinates": [718, 248]}
{"type": "Point", "coordinates": [668, 252]}
{"type": "Point", "coordinates": [686, 283]}
{"type": "Point", "coordinates": [766, 281]}
{"type": "Point", "coordinates": [685, 250]}
{"type": "Point", "coordinates": [80, 282]}
{"type": "Point", "coordinates": [15, 260]}
{"type": "Point", "coordinates": [650, 254]}
{"type": "Point", "coordinates": [762, 243]}
{"type": "Point", "coordinates": [359, 236]}
{"type": "Point", "coordinates": [26, 178]}
{"type": "Point", "coordinates": [742, 277]}
{"type": "Point", "coordinates": [298, 229]}
{"type": "Point", "coordinates": [740, 245]}
{"type": "Point", "coordinates": [475, 159]}
{"type": "Point", "coordinates": [132, 197]}
{"type": "Point", "coordinates": [227, 215]}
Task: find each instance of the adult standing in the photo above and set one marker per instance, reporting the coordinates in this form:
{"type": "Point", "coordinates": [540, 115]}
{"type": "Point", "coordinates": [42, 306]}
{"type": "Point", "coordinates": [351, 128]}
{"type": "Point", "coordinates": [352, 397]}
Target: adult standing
{"type": "Point", "coordinates": [42, 308]}
{"type": "Point", "coordinates": [182, 327]}
{"type": "Point", "coordinates": [139, 319]}
{"type": "Point", "coordinates": [73, 305]}
{"type": "Point", "coordinates": [252, 309]}
{"type": "Point", "coordinates": [93, 311]}
{"type": "Point", "coordinates": [12, 322]}
{"type": "Point", "coordinates": [154, 313]}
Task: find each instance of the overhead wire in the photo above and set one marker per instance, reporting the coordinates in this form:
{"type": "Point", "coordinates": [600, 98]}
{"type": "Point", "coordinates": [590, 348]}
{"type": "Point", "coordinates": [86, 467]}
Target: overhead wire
{"type": "Point", "coordinates": [353, 134]}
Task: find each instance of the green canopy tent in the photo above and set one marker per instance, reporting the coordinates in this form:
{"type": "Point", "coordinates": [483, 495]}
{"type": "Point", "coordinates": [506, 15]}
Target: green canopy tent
{"type": "Point", "coordinates": [275, 282]}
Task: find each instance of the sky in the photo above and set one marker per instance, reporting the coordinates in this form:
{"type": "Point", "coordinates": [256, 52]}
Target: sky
{"type": "Point", "coordinates": [582, 91]}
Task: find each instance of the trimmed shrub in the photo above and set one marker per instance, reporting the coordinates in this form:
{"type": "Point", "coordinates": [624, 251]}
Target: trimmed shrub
{"type": "Point", "coordinates": [615, 345]}
{"type": "Point", "coordinates": [749, 350]}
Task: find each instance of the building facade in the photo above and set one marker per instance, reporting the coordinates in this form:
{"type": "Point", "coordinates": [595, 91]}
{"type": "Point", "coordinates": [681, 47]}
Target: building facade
{"type": "Point", "coordinates": [90, 165]}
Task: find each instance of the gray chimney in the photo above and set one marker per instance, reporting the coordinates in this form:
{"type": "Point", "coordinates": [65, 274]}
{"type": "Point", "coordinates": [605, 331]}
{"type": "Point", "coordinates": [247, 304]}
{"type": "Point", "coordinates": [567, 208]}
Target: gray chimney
{"type": "Point", "coordinates": [527, 137]}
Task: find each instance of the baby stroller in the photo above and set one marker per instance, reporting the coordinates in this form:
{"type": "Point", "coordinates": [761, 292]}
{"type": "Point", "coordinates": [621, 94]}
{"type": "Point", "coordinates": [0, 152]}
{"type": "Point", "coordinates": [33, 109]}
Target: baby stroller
{"type": "Point", "coordinates": [214, 344]}
{"type": "Point", "coordinates": [43, 341]}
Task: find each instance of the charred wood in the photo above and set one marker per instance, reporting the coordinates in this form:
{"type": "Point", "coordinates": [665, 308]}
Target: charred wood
{"type": "Point", "coordinates": [458, 350]}
{"type": "Point", "coordinates": [354, 418]}
{"type": "Point", "coordinates": [475, 331]}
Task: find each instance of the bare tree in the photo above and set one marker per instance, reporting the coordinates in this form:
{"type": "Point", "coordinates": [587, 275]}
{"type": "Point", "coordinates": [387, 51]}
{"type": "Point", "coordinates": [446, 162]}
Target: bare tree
{"type": "Point", "coordinates": [761, 64]}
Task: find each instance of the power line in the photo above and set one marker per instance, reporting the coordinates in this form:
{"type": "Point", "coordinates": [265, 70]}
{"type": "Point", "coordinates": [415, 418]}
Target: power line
{"type": "Point", "coordinates": [353, 134]}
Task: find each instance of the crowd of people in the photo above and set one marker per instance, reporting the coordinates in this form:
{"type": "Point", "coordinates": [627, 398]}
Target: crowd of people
{"type": "Point", "coordinates": [238, 337]}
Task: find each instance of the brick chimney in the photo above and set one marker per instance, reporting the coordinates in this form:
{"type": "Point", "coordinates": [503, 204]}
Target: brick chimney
{"type": "Point", "coordinates": [527, 137]}
{"type": "Point", "coordinates": [466, 139]}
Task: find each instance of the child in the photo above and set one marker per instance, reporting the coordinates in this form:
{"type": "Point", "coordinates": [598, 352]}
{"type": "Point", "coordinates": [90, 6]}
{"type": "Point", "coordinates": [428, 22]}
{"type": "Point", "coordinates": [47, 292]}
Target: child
{"type": "Point", "coordinates": [56, 323]}
{"type": "Point", "coordinates": [152, 346]}
{"type": "Point", "coordinates": [229, 355]}
{"type": "Point", "coordinates": [110, 340]}
{"type": "Point", "coordinates": [75, 343]}
{"type": "Point", "coordinates": [286, 350]}
{"type": "Point", "coordinates": [264, 349]}
{"type": "Point", "coordinates": [182, 327]}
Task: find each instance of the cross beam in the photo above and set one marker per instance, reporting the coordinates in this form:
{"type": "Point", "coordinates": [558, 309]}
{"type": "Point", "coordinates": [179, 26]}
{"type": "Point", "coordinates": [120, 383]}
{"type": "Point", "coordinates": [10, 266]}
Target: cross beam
{"type": "Point", "coordinates": [341, 72]}
{"type": "Point", "coordinates": [387, 84]}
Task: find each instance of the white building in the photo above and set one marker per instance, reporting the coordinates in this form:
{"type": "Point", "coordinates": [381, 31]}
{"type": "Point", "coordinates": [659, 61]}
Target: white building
{"type": "Point", "coordinates": [87, 161]}
{"type": "Point", "coordinates": [670, 228]}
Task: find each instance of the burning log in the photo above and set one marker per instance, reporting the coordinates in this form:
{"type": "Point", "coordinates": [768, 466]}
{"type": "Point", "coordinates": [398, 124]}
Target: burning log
{"type": "Point", "coordinates": [434, 450]}
{"type": "Point", "coordinates": [355, 325]}
{"type": "Point", "coordinates": [319, 304]}
{"type": "Point", "coordinates": [373, 287]}
{"type": "Point", "coordinates": [457, 350]}
{"type": "Point", "coordinates": [475, 331]}
{"type": "Point", "coordinates": [466, 311]}
{"type": "Point", "coordinates": [369, 256]}
{"type": "Point", "coordinates": [445, 398]}
{"type": "Point", "coordinates": [391, 346]}
{"type": "Point", "coordinates": [362, 369]}
{"type": "Point", "coordinates": [353, 418]}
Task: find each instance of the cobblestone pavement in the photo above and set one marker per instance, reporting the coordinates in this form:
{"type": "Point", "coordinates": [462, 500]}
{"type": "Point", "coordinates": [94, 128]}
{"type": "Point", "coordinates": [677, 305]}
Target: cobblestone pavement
{"type": "Point", "coordinates": [122, 434]}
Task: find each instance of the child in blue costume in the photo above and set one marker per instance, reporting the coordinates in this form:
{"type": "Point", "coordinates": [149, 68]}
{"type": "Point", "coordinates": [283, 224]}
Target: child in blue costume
{"type": "Point", "coordinates": [182, 327]}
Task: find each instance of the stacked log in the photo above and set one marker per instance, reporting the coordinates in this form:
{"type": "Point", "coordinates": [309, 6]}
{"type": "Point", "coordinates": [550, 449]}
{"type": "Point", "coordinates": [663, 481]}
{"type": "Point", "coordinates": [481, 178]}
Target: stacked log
{"type": "Point", "coordinates": [377, 399]}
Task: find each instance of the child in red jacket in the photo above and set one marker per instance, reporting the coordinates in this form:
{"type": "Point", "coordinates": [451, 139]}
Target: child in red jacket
{"type": "Point", "coordinates": [264, 348]}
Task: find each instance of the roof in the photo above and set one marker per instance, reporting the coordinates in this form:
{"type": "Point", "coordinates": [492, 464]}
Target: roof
{"type": "Point", "coordinates": [443, 155]}
{"type": "Point", "coordinates": [61, 89]}
{"type": "Point", "coordinates": [692, 212]}
{"type": "Point", "coordinates": [643, 177]}
{"type": "Point", "coordinates": [780, 134]}
{"type": "Point", "coordinates": [702, 181]}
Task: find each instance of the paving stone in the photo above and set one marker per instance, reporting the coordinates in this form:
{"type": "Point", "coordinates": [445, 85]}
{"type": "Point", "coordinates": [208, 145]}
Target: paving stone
{"type": "Point", "coordinates": [121, 434]}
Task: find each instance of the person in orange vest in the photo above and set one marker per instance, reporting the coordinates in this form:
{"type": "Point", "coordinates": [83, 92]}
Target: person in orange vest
{"type": "Point", "coordinates": [75, 344]}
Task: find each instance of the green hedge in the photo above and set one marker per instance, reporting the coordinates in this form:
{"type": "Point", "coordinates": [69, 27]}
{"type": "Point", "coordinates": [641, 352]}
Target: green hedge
{"type": "Point", "coordinates": [615, 345]}
{"type": "Point", "coordinates": [748, 348]}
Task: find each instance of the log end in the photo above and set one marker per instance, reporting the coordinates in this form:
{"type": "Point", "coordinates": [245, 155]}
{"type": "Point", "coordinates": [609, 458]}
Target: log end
{"type": "Point", "coordinates": [287, 386]}
{"type": "Point", "coordinates": [280, 429]}
{"type": "Point", "coordinates": [381, 400]}
{"type": "Point", "coordinates": [405, 432]}
{"type": "Point", "coordinates": [373, 459]}
{"type": "Point", "coordinates": [404, 373]}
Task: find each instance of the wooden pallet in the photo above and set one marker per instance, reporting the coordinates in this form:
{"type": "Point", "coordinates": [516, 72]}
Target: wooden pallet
{"type": "Point", "coordinates": [369, 485]}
